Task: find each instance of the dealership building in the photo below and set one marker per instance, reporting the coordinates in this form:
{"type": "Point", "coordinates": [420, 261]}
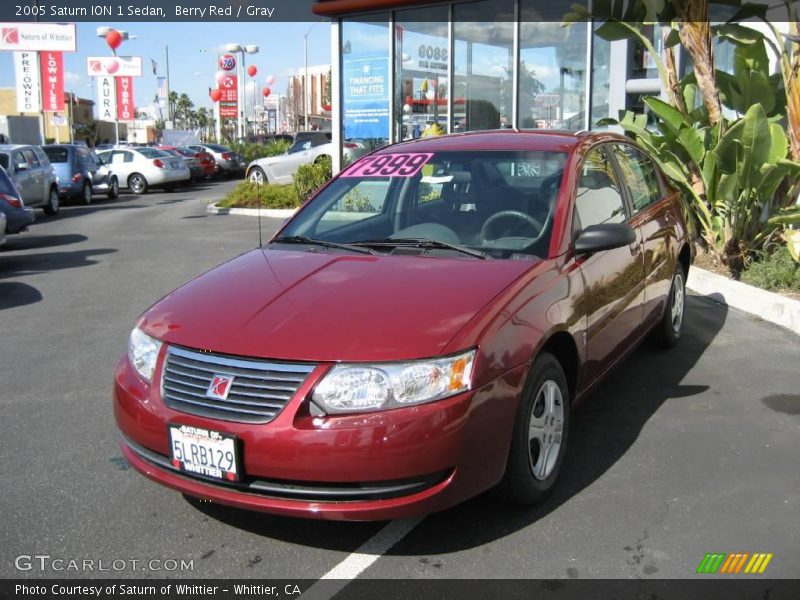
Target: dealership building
{"type": "Point", "coordinates": [401, 67]}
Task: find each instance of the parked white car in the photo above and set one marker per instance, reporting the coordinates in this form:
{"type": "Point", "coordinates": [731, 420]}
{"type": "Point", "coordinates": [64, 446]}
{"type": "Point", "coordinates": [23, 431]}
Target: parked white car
{"type": "Point", "coordinates": [281, 169]}
{"type": "Point", "coordinates": [139, 169]}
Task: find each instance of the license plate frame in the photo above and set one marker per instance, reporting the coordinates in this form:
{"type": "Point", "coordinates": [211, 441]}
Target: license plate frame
{"type": "Point", "coordinates": [189, 439]}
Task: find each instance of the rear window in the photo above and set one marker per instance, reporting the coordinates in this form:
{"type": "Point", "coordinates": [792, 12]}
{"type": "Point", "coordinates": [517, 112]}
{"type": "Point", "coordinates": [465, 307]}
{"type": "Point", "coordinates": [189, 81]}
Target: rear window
{"type": "Point", "coordinates": [185, 151]}
{"type": "Point", "coordinates": [56, 154]}
{"type": "Point", "coordinates": [218, 148]}
{"type": "Point", "coordinates": [4, 160]}
{"type": "Point", "coordinates": [6, 187]}
{"type": "Point", "coordinates": [152, 153]}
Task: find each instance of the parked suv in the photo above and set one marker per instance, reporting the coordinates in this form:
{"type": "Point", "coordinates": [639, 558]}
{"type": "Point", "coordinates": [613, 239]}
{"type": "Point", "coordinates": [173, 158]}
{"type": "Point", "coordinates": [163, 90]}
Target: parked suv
{"type": "Point", "coordinates": [32, 174]}
{"type": "Point", "coordinates": [80, 172]}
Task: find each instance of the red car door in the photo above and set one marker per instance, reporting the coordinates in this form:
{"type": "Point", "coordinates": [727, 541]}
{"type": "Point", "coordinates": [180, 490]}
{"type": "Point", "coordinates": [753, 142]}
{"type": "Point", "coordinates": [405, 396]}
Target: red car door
{"type": "Point", "coordinates": [655, 217]}
{"type": "Point", "coordinates": [612, 299]}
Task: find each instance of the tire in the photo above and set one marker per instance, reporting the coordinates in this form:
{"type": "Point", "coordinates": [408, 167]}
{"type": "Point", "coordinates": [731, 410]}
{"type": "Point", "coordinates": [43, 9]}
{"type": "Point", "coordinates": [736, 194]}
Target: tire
{"type": "Point", "coordinates": [168, 188]}
{"type": "Point", "coordinates": [86, 194]}
{"type": "Point", "coordinates": [539, 439]}
{"type": "Point", "coordinates": [52, 206]}
{"type": "Point", "coordinates": [113, 190]}
{"type": "Point", "coordinates": [668, 332]}
{"type": "Point", "coordinates": [257, 175]}
{"type": "Point", "coordinates": [137, 184]}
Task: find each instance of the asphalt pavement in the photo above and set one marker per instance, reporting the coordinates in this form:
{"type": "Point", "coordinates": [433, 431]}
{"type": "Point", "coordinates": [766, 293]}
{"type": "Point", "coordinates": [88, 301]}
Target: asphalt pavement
{"type": "Point", "coordinates": [678, 454]}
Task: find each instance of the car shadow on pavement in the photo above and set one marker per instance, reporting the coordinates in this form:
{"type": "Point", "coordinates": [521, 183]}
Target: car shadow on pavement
{"type": "Point", "coordinates": [30, 264]}
{"type": "Point", "coordinates": [602, 431]}
{"type": "Point", "coordinates": [30, 241]}
{"type": "Point", "coordinates": [15, 293]}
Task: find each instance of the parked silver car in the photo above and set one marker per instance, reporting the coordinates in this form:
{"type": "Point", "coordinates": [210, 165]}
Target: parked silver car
{"type": "Point", "coordinates": [32, 174]}
{"type": "Point", "coordinates": [139, 169]}
{"type": "Point", "coordinates": [80, 172]}
{"type": "Point", "coordinates": [281, 169]}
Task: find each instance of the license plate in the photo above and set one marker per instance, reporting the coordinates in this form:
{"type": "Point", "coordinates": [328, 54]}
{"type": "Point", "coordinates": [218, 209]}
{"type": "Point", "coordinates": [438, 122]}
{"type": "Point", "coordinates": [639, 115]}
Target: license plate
{"type": "Point", "coordinates": [204, 452]}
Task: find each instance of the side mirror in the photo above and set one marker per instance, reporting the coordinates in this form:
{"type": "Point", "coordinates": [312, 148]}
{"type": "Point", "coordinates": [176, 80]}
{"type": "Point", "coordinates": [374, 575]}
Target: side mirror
{"type": "Point", "coordinates": [605, 236]}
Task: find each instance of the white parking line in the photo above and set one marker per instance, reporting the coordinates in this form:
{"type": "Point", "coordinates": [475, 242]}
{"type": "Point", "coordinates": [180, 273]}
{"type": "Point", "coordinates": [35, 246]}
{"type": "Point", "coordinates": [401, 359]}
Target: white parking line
{"type": "Point", "coordinates": [360, 560]}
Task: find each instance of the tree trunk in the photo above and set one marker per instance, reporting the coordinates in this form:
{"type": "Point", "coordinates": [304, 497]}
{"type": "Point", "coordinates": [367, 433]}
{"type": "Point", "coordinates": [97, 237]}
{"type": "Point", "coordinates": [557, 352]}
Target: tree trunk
{"type": "Point", "coordinates": [674, 87]}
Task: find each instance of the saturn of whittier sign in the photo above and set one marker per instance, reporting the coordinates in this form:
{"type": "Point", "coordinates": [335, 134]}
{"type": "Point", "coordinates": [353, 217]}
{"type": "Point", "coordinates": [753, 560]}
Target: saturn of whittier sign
{"type": "Point", "coordinates": [56, 37]}
{"type": "Point", "coordinates": [114, 66]}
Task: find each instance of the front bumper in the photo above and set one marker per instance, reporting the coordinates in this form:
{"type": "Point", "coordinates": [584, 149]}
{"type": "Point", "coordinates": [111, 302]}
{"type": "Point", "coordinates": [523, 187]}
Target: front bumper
{"type": "Point", "coordinates": [375, 466]}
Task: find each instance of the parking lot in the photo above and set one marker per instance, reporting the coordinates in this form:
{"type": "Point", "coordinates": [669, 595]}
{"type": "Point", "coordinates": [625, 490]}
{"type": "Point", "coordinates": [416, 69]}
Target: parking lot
{"type": "Point", "coordinates": [676, 455]}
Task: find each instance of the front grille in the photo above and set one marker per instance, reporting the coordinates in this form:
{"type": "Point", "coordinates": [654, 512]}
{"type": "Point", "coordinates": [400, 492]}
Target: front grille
{"type": "Point", "coordinates": [259, 391]}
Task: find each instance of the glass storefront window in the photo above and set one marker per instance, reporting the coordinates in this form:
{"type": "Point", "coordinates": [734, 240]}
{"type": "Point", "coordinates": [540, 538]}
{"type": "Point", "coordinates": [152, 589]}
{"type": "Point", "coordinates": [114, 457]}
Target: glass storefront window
{"type": "Point", "coordinates": [365, 73]}
{"type": "Point", "coordinates": [483, 65]}
{"type": "Point", "coordinates": [422, 59]}
{"type": "Point", "coordinates": [552, 74]}
{"type": "Point", "coordinates": [601, 66]}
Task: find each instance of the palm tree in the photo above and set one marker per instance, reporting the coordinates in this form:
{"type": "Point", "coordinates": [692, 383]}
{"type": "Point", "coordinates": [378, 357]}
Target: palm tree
{"type": "Point", "coordinates": [173, 100]}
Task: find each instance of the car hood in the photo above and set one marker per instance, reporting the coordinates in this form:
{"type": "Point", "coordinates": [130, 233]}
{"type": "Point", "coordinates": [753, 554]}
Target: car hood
{"type": "Point", "coordinates": [319, 306]}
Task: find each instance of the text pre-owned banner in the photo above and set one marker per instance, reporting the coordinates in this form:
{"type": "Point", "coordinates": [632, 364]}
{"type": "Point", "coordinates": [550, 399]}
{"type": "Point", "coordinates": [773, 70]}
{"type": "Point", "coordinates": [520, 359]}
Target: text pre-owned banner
{"type": "Point", "coordinates": [27, 79]}
{"type": "Point", "coordinates": [51, 66]}
{"type": "Point", "coordinates": [125, 108]}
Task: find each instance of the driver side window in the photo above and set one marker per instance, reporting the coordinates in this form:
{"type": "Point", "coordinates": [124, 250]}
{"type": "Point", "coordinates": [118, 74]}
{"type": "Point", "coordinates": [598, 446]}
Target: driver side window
{"type": "Point", "coordinates": [598, 198]}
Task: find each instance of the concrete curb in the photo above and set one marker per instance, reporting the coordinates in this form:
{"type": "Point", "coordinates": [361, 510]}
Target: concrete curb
{"type": "Point", "coordinates": [766, 305]}
{"type": "Point", "coordinates": [271, 213]}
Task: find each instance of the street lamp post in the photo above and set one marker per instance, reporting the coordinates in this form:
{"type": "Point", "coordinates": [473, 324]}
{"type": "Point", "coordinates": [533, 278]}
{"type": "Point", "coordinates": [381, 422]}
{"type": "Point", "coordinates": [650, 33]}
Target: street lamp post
{"type": "Point", "coordinates": [306, 102]}
{"type": "Point", "coordinates": [240, 91]}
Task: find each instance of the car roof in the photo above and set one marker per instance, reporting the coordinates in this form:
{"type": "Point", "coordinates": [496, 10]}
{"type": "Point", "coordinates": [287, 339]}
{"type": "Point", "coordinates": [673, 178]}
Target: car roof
{"type": "Point", "coordinates": [503, 139]}
{"type": "Point", "coordinates": [8, 147]}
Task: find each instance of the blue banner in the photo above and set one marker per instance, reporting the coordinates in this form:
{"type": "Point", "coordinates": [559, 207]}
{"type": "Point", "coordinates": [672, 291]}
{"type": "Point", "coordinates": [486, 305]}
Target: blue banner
{"type": "Point", "coordinates": [365, 83]}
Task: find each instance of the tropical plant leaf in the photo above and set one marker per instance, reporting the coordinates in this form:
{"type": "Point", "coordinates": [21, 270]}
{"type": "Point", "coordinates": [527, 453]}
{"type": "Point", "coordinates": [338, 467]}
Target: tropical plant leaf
{"type": "Point", "coordinates": [692, 143]}
{"type": "Point", "coordinates": [669, 115]}
{"type": "Point", "coordinates": [728, 148]}
{"type": "Point", "coordinates": [612, 31]}
{"type": "Point", "coordinates": [778, 144]}
{"type": "Point", "coordinates": [738, 34]}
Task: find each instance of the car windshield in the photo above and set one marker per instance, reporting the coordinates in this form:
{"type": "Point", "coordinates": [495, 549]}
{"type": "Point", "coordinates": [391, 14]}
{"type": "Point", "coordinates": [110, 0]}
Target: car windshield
{"type": "Point", "coordinates": [56, 154]}
{"type": "Point", "coordinates": [500, 203]}
{"type": "Point", "coordinates": [152, 153]}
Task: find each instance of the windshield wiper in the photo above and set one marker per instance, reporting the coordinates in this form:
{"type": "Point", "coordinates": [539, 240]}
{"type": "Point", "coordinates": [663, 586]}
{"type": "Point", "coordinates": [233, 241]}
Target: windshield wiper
{"type": "Point", "coordinates": [302, 239]}
{"type": "Point", "coordinates": [421, 243]}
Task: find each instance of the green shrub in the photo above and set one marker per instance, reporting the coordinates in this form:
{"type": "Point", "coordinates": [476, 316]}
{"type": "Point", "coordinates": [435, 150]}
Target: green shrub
{"type": "Point", "coordinates": [251, 152]}
{"type": "Point", "coordinates": [252, 195]}
{"type": "Point", "coordinates": [309, 178]}
{"type": "Point", "coordinates": [777, 271]}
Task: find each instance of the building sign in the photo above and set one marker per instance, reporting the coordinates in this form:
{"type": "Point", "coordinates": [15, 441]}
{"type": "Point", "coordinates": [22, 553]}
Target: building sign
{"type": "Point", "coordinates": [227, 62]}
{"type": "Point", "coordinates": [38, 36]}
{"type": "Point", "coordinates": [27, 79]}
{"type": "Point", "coordinates": [366, 97]}
{"type": "Point", "coordinates": [52, 69]}
{"type": "Point", "coordinates": [162, 91]}
{"type": "Point", "coordinates": [125, 107]}
{"type": "Point", "coordinates": [116, 66]}
{"type": "Point", "coordinates": [229, 101]}
{"type": "Point", "coordinates": [106, 99]}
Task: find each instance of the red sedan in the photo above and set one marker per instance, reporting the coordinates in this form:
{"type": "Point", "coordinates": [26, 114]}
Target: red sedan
{"type": "Point", "coordinates": [416, 334]}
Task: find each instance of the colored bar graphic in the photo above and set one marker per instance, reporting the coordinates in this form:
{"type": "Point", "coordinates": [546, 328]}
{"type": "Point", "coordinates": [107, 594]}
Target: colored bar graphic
{"type": "Point", "coordinates": [711, 563]}
{"type": "Point", "coordinates": [724, 563]}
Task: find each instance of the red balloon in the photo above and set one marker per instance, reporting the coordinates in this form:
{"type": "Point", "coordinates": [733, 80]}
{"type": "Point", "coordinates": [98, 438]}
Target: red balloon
{"type": "Point", "coordinates": [215, 95]}
{"type": "Point", "coordinates": [113, 39]}
{"type": "Point", "coordinates": [251, 70]}
{"type": "Point", "coordinates": [266, 92]}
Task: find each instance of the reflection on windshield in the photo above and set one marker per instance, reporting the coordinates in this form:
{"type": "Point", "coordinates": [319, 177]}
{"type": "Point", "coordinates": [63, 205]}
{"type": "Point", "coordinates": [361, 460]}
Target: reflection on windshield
{"type": "Point", "coordinates": [498, 203]}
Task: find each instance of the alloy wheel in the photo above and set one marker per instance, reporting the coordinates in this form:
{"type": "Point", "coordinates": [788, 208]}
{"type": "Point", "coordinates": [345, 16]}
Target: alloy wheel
{"type": "Point", "coordinates": [678, 301]}
{"type": "Point", "coordinates": [546, 429]}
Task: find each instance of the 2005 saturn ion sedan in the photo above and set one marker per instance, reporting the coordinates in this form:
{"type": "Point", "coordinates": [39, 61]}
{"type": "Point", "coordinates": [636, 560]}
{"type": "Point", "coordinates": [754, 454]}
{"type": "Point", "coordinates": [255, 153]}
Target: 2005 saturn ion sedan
{"type": "Point", "coordinates": [416, 334]}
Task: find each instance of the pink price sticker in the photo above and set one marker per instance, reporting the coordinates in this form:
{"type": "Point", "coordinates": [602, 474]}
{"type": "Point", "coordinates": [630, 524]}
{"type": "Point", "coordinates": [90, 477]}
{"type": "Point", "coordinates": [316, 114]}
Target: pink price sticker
{"type": "Point", "coordinates": [407, 164]}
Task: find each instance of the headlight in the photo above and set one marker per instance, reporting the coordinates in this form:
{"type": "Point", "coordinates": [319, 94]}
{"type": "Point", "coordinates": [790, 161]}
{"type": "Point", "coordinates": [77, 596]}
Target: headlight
{"type": "Point", "coordinates": [143, 352]}
{"type": "Point", "coordinates": [362, 388]}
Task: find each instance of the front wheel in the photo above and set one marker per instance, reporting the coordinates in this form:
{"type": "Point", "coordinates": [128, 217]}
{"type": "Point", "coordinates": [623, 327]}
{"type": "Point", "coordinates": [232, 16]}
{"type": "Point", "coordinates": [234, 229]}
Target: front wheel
{"type": "Point", "coordinates": [137, 183]}
{"type": "Point", "coordinates": [113, 189]}
{"type": "Point", "coordinates": [540, 434]}
{"type": "Point", "coordinates": [257, 176]}
{"type": "Point", "coordinates": [52, 206]}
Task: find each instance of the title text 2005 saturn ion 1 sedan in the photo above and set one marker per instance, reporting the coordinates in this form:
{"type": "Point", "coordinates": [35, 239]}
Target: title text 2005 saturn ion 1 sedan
{"type": "Point", "coordinates": [416, 334]}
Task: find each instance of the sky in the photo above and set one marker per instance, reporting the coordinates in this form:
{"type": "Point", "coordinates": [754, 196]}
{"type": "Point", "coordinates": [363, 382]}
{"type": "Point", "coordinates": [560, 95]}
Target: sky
{"type": "Point", "coordinates": [193, 48]}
